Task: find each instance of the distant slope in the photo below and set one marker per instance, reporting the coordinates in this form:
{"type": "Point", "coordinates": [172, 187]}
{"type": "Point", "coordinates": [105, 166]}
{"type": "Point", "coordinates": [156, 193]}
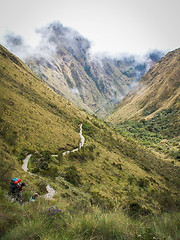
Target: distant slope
{"type": "Point", "coordinates": [157, 90]}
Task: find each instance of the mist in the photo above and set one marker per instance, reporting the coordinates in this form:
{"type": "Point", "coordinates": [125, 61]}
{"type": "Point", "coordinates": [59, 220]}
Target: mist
{"type": "Point", "coordinates": [54, 35]}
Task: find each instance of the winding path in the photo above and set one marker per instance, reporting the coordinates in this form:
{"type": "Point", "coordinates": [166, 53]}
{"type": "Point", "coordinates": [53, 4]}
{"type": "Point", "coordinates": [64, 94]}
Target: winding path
{"type": "Point", "coordinates": [50, 190]}
{"type": "Point", "coordinates": [80, 144]}
{"type": "Point", "coordinates": [25, 164]}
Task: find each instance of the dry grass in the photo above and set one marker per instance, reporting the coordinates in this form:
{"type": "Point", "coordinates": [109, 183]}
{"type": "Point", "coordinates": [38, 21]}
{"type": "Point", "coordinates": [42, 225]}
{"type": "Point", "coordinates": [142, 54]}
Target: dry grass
{"type": "Point", "coordinates": [157, 90]}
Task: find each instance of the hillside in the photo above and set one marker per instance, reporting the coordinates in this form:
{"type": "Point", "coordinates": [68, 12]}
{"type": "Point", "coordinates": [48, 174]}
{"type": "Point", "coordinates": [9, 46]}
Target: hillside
{"type": "Point", "coordinates": [93, 83]}
{"type": "Point", "coordinates": [111, 177]}
{"type": "Point", "coordinates": [32, 111]}
{"type": "Point", "coordinates": [151, 112]}
{"type": "Point", "coordinates": [157, 90]}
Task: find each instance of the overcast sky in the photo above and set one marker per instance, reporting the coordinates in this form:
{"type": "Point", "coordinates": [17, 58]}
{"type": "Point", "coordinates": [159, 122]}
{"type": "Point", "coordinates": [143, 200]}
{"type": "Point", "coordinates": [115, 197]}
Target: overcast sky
{"type": "Point", "coordinates": [133, 26]}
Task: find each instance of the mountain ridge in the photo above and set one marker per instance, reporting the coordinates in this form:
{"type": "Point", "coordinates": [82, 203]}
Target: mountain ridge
{"type": "Point", "coordinates": [157, 90]}
{"type": "Point", "coordinates": [64, 62]}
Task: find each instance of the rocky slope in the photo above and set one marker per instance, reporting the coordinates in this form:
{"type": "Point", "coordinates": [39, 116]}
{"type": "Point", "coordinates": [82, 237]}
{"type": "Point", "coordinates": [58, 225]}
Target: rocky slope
{"type": "Point", "coordinates": [93, 83]}
{"type": "Point", "coordinates": [156, 91]}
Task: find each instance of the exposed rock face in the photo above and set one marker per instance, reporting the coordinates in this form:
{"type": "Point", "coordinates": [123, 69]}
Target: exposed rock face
{"type": "Point", "coordinates": [96, 84]}
{"type": "Point", "coordinates": [157, 90]}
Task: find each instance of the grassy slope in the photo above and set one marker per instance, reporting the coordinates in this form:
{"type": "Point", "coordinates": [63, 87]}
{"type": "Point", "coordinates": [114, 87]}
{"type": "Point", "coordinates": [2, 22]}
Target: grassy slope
{"type": "Point", "coordinates": [40, 118]}
{"type": "Point", "coordinates": [110, 169]}
{"type": "Point", "coordinates": [157, 90]}
{"type": "Point", "coordinates": [150, 114]}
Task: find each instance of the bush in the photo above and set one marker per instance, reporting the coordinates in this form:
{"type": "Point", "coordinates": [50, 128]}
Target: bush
{"type": "Point", "coordinates": [72, 176]}
{"type": "Point", "coordinates": [84, 154]}
{"type": "Point", "coordinates": [88, 129]}
{"type": "Point", "coordinates": [40, 161]}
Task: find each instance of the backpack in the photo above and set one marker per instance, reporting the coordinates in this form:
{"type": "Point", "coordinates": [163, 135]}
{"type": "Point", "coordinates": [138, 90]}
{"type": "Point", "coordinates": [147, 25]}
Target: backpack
{"type": "Point", "coordinates": [14, 185]}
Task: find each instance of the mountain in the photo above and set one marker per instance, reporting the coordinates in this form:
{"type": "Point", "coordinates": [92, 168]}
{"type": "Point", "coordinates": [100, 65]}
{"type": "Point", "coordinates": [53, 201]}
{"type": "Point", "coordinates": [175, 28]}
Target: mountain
{"type": "Point", "coordinates": [109, 173]}
{"type": "Point", "coordinates": [156, 91]}
{"type": "Point", "coordinates": [93, 83]}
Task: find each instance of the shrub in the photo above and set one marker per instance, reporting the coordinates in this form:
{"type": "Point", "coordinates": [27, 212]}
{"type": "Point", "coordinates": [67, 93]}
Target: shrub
{"type": "Point", "coordinates": [40, 161]}
{"type": "Point", "coordinates": [41, 185]}
{"type": "Point", "coordinates": [72, 176]}
{"type": "Point", "coordinates": [135, 210]}
{"type": "Point", "coordinates": [88, 129]}
{"type": "Point", "coordinates": [86, 153]}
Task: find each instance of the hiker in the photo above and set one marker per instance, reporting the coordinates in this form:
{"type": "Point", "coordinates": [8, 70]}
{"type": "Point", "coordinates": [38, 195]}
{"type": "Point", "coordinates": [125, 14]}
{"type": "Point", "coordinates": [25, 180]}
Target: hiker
{"type": "Point", "coordinates": [33, 197]}
{"type": "Point", "coordinates": [16, 187]}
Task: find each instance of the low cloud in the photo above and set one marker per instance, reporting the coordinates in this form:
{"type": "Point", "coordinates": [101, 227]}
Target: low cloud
{"type": "Point", "coordinates": [16, 45]}
{"type": "Point", "coordinates": [75, 91]}
{"type": "Point", "coordinates": [52, 38]}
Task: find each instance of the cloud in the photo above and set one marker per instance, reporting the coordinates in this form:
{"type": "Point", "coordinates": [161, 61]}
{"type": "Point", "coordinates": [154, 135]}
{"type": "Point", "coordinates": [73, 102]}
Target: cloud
{"type": "Point", "coordinates": [52, 38]}
{"type": "Point", "coordinates": [16, 45]}
{"type": "Point", "coordinates": [58, 36]}
{"type": "Point", "coordinates": [75, 91]}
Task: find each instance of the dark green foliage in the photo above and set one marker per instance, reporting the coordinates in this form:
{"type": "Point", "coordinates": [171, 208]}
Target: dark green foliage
{"type": "Point", "coordinates": [23, 154]}
{"type": "Point", "coordinates": [86, 153]}
{"type": "Point", "coordinates": [88, 129]}
{"type": "Point", "coordinates": [166, 122]}
{"type": "Point", "coordinates": [55, 109]}
{"type": "Point", "coordinates": [148, 234]}
{"type": "Point", "coordinates": [135, 209]}
{"type": "Point", "coordinates": [41, 186]}
{"type": "Point", "coordinates": [101, 201]}
{"type": "Point", "coordinates": [43, 163]}
{"type": "Point", "coordinates": [163, 125]}
{"type": "Point", "coordinates": [143, 183]}
{"type": "Point", "coordinates": [72, 176]}
{"type": "Point", "coordinates": [150, 109]}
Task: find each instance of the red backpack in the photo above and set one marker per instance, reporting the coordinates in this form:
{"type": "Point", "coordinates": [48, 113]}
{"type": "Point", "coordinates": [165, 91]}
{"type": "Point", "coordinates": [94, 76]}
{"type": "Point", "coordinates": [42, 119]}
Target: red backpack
{"type": "Point", "coordinates": [14, 185]}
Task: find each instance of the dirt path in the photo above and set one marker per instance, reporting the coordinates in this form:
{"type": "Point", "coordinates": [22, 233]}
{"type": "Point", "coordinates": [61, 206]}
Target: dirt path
{"type": "Point", "coordinates": [50, 190]}
{"type": "Point", "coordinates": [80, 144]}
{"type": "Point", "coordinates": [25, 164]}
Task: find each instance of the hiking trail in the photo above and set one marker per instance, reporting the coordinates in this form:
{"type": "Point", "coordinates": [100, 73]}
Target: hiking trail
{"type": "Point", "coordinates": [25, 164]}
{"type": "Point", "coordinates": [50, 190]}
{"type": "Point", "coordinates": [80, 144]}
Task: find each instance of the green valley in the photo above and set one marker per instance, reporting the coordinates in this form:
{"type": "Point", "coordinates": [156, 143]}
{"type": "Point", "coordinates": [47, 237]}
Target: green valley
{"type": "Point", "coordinates": [114, 187]}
